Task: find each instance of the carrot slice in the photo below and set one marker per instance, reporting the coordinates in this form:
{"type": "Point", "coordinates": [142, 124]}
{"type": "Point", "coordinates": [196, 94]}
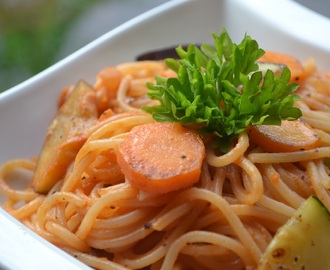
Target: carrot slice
{"type": "Point", "coordinates": [106, 86]}
{"type": "Point", "coordinates": [298, 72]}
{"type": "Point", "coordinates": [161, 157]}
{"type": "Point", "coordinates": [290, 136]}
{"type": "Point", "coordinates": [105, 115]}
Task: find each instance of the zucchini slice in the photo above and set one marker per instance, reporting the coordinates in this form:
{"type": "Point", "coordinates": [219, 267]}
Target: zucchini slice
{"type": "Point", "coordinates": [65, 136]}
{"type": "Point", "coordinates": [302, 242]}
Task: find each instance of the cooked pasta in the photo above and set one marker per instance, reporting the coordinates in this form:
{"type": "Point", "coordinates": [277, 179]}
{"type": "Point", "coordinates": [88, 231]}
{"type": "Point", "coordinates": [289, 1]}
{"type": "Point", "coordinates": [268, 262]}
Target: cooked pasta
{"type": "Point", "coordinates": [224, 221]}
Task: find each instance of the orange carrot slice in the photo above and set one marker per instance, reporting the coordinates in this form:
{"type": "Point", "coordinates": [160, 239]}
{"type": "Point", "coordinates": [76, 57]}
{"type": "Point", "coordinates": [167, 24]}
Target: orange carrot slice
{"type": "Point", "coordinates": [106, 86]}
{"type": "Point", "coordinates": [298, 72]}
{"type": "Point", "coordinates": [105, 115]}
{"type": "Point", "coordinates": [161, 157]}
{"type": "Point", "coordinates": [290, 136]}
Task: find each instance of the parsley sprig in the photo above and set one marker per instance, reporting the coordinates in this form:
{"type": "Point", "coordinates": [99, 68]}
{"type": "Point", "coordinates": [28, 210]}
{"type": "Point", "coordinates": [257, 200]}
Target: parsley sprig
{"type": "Point", "coordinates": [220, 90]}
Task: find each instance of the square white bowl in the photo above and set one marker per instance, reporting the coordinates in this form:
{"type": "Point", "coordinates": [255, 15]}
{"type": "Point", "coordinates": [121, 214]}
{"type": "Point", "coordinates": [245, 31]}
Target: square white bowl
{"type": "Point", "coordinates": [27, 109]}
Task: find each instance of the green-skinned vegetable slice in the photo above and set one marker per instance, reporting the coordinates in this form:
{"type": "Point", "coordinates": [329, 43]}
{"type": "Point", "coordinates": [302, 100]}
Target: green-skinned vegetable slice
{"type": "Point", "coordinates": [303, 242]}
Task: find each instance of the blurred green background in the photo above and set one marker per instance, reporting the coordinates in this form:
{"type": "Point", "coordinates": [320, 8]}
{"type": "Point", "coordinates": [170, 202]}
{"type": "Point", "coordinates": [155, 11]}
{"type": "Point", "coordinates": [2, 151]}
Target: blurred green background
{"type": "Point", "coordinates": [31, 34]}
{"type": "Point", "coordinates": [35, 34]}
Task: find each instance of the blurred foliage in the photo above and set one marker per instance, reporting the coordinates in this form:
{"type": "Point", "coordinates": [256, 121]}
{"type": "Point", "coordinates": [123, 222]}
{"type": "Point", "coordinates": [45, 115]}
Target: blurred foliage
{"type": "Point", "coordinates": [31, 32]}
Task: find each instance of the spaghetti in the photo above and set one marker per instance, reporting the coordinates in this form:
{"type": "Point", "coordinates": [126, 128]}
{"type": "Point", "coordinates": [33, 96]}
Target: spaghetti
{"type": "Point", "coordinates": [225, 221]}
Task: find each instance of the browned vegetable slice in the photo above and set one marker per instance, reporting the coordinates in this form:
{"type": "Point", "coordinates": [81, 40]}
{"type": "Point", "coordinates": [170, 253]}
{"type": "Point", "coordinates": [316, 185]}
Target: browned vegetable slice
{"type": "Point", "coordinates": [65, 137]}
{"type": "Point", "coordinates": [290, 136]}
{"type": "Point", "coordinates": [298, 72]}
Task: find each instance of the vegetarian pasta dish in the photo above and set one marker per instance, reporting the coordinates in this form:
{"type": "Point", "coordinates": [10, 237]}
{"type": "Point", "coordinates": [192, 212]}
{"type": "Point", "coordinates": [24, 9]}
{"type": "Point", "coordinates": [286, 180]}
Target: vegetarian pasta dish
{"type": "Point", "coordinates": [197, 162]}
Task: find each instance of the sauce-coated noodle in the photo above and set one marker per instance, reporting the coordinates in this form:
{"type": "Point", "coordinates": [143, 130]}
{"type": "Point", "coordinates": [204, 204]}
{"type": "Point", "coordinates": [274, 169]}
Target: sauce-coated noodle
{"type": "Point", "coordinates": [225, 221]}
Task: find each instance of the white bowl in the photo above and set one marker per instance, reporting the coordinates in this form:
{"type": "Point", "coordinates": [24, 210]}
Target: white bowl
{"type": "Point", "coordinates": [27, 109]}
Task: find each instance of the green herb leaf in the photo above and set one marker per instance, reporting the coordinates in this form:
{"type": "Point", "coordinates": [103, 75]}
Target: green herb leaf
{"type": "Point", "coordinates": [221, 90]}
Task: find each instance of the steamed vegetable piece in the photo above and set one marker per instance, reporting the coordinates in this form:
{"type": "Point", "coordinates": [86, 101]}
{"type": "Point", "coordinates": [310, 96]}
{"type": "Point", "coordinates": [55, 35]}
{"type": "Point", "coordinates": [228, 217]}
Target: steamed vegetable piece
{"type": "Point", "coordinates": [65, 136]}
{"type": "Point", "coordinates": [296, 68]}
{"type": "Point", "coordinates": [161, 157]}
{"type": "Point", "coordinates": [221, 91]}
{"type": "Point", "coordinates": [303, 242]}
{"type": "Point", "coordinates": [290, 136]}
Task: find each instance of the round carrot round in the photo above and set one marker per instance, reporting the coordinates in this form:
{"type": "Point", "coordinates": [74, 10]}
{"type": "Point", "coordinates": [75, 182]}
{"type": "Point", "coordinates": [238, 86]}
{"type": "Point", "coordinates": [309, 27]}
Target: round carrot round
{"type": "Point", "coordinates": [290, 136]}
{"type": "Point", "coordinates": [161, 157]}
{"type": "Point", "coordinates": [298, 71]}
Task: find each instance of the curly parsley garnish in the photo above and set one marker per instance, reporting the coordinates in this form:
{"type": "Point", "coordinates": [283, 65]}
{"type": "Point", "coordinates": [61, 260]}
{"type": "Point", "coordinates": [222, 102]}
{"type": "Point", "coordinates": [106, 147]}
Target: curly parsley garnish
{"type": "Point", "coordinates": [220, 90]}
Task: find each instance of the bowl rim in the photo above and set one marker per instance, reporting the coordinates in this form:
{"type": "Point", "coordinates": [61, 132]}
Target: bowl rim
{"type": "Point", "coordinates": [262, 6]}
